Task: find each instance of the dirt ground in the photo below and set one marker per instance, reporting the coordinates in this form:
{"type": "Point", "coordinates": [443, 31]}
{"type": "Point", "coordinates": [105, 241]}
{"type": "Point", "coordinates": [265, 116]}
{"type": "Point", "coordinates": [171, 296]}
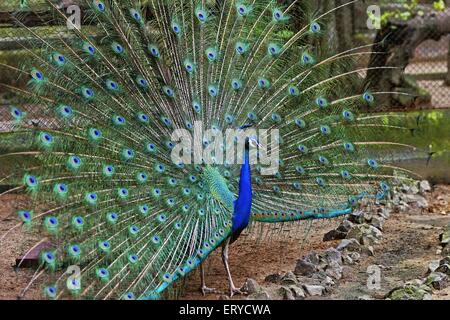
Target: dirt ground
{"type": "Point", "coordinates": [410, 242]}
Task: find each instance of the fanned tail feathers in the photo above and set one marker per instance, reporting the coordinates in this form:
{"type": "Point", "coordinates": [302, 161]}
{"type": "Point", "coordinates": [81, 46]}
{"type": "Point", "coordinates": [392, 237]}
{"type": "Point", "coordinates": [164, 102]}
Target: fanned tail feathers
{"type": "Point", "coordinates": [104, 102]}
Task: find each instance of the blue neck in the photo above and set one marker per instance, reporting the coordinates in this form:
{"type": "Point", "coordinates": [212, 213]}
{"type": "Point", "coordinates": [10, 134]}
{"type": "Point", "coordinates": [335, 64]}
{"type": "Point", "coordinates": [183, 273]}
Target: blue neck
{"type": "Point", "coordinates": [243, 204]}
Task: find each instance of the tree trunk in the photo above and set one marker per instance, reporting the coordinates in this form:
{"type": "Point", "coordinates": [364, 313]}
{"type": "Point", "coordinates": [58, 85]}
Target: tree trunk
{"type": "Point", "coordinates": [397, 43]}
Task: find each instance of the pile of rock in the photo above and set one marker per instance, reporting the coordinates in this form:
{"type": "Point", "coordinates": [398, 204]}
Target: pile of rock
{"type": "Point", "coordinates": [317, 273]}
{"type": "Point", "coordinates": [360, 230]}
{"type": "Point", "coordinates": [437, 278]}
{"type": "Point", "coordinates": [314, 275]}
{"type": "Point", "coordinates": [411, 196]}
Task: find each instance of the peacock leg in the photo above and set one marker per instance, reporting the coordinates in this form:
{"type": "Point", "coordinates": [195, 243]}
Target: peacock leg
{"type": "Point", "coordinates": [233, 289]}
{"type": "Point", "coordinates": [204, 289]}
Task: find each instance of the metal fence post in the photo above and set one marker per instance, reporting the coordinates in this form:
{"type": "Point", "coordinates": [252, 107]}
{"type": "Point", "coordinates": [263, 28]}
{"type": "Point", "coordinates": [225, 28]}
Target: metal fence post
{"type": "Point", "coordinates": [447, 78]}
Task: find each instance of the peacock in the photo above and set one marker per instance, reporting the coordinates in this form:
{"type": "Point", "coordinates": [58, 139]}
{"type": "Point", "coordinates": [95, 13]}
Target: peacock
{"type": "Point", "coordinates": [128, 120]}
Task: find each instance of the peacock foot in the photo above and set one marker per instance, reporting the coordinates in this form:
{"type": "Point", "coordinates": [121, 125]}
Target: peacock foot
{"type": "Point", "coordinates": [234, 291]}
{"type": "Point", "coordinates": [205, 290]}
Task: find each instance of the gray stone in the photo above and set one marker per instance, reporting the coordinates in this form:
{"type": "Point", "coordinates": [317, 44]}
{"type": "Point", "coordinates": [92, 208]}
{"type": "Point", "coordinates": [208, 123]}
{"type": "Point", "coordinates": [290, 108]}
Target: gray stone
{"type": "Point", "coordinates": [359, 232]}
{"type": "Point", "coordinates": [349, 245]}
{"type": "Point", "coordinates": [289, 278]}
{"type": "Point", "coordinates": [328, 281]}
{"type": "Point", "coordinates": [445, 260]}
{"type": "Point", "coordinates": [345, 226]}
{"type": "Point", "coordinates": [445, 236]}
{"type": "Point", "coordinates": [367, 216]}
{"type": "Point", "coordinates": [433, 265]}
{"type": "Point", "coordinates": [262, 295]}
{"type": "Point", "coordinates": [413, 190]}
{"type": "Point", "coordinates": [355, 256]}
{"type": "Point", "coordinates": [304, 268]}
{"type": "Point", "coordinates": [368, 240]}
{"type": "Point", "coordinates": [313, 258]}
{"type": "Point", "coordinates": [298, 292]}
{"type": "Point", "coordinates": [409, 292]}
{"type": "Point", "coordinates": [334, 270]}
{"type": "Point", "coordinates": [356, 217]}
{"type": "Point", "coordinates": [251, 286]}
{"type": "Point", "coordinates": [286, 293]}
{"type": "Point", "coordinates": [334, 235]}
{"type": "Point", "coordinates": [443, 268]}
{"type": "Point", "coordinates": [346, 259]}
{"type": "Point", "coordinates": [424, 186]}
{"type": "Point", "coordinates": [273, 278]}
{"type": "Point", "coordinates": [332, 255]}
{"type": "Point", "coordinates": [417, 200]}
{"type": "Point", "coordinates": [446, 249]}
{"type": "Point", "coordinates": [405, 188]}
{"type": "Point", "coordinates": [437, 280]}
{"type": "Point", "coordinates": [369, 250]}
{"type": "Point", "coordinates": [314, 290]}
{"type": "Point", "coordinates": [377, 222]}
{"type": "Point", "coordinates": [384, 213]}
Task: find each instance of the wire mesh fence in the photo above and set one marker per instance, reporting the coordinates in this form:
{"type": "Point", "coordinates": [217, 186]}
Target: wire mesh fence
{"type": "Point", "coordinates": [426, 67]}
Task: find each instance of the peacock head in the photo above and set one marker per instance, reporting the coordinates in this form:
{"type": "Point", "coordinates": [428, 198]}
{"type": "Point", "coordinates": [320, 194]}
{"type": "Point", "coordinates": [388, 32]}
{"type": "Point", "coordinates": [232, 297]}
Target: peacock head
{"type": "Point", "coordinates": [252, 140]}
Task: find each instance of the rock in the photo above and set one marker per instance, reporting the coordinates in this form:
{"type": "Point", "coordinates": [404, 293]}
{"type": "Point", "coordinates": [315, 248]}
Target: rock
{"type": "Point", "coordinates": [377, 222]}
{"type": "Point", "coordinates": [313, 258]}
{"type": "Point", "coordinates": [445, 260]}
{"type": "Point", "coordinates": [224, 297]}
{"type": "Point", "coordinates": [286, 293]}
{"type": "Point", "coordinates": [355, 256]}
{"type": "Point", "coordinates": [365, 232]}
{"type": "Point", "coordinates": [413, 190]}
{"type": "Point", "coordinates": [432, 266]}
{"type": "Point", "coordinates": [365, 297]}
{"type": "Point", "coordinates": [446, 250]}
{"type": "Point", "coordinates": [437, 280]}
{"type": "Point", "coordinates": [315, 279]}
{"type": "Point", "coordinates": [409, 292]}
{"type": "Point", "coordinates": [304, 268]}
{"type": "Point", "coordinates": [356, 217]}
{"type": "Point", "coordinates": [367, 216]}
{"type": "Point", "coordinates": [417, 200]}
{"type": "Point", "coordinates": [313, 290]}
{"type": "Point", "coordinates": [445, 236]}
{"type": "Point", "coordinates": [349, 245]}
{"type": "Point", "coordinates": [327, 282]}
{"type": "Point", "coordinates": [345, 226]}
{"type": "Point", "coordinates": [332, 255]}
{"type": "Point", "coordinates": [384, 213]}
{"type": "Point", "coordinates": [334, 235]}
{"type": "Point", "coordinates": [368, 250]}
{"type": "Point", "coordinates": [334, 270]}
{"type": "Point", "coordinates": [251, 286]}
{"type": "Point", "coordinates": [273, 278]}
{"type": "Point", "coordinates": [347, 260]}
{"type": "Point", "coordinates": [289, 279]}
{"type": "Point", "coordinates": [262, 295]}
{"type": "Point", "coordinates": [405, 188]}
{"type": "Point", "coordinates": [369, 240]}
{"type": "Point", "coordinates": [443, 268]}
{"type": "Point", "coordinates": [424, 186]}
{"type": "Point", "coordinates": [297, 292]}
